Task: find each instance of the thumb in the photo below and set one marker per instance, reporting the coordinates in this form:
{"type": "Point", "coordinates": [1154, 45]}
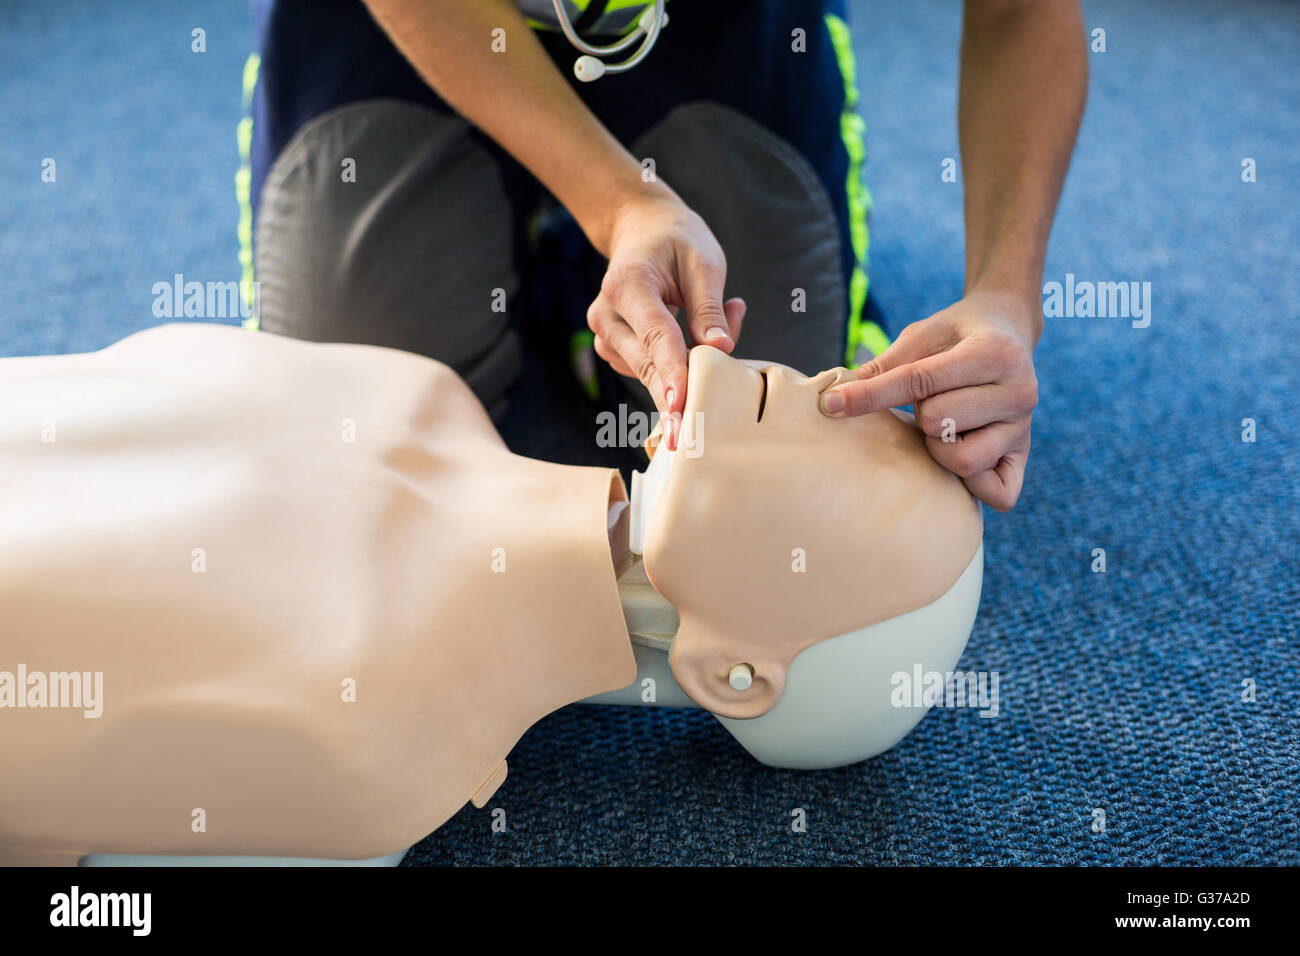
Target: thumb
{"type": "Point", "coordinates": [735, 309]}
{"type": "Point", "coordinates": [917, 341]}
{"type": "Point", "coordinates": [705, 316]}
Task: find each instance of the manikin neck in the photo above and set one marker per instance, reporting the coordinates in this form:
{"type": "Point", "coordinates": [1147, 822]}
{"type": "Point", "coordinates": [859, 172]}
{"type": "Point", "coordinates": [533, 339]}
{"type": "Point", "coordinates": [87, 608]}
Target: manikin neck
{"type": "Point", "coordinates": [651, 620]}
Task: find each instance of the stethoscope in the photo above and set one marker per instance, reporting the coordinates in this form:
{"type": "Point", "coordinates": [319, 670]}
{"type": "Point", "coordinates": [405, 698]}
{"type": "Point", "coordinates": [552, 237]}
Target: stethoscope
{"type": "Point", "coordinates": [588, 67]}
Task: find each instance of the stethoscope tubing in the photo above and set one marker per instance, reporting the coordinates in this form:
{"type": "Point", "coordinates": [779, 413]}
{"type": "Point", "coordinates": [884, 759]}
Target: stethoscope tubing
{"type": "Point", "coordinates": [651, 35]}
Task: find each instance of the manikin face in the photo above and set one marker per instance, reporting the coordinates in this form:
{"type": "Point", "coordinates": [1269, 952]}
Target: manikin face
{"type": "Point", "coordinates": [779, 527]}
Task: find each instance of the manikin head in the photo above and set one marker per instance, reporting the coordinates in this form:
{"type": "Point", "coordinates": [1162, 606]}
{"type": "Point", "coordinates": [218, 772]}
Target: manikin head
{"type": "Point", "coordinates": [779, 529]}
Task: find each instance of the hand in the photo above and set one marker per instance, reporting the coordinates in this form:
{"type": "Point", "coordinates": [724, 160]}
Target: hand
{"type": "Point", "coordinates": [662, 257]}
{"type": "Point", "coordinates": [969, 371]}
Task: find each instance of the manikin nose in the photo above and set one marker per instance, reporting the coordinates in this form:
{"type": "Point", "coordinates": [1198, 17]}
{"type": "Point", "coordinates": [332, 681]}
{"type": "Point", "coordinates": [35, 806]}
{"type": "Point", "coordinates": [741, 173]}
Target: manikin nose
{"type": "Point", "coordinates": [830, 378]}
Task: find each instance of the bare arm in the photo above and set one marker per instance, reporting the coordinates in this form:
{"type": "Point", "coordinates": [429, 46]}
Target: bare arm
{"type": "Point", "coordinates": [662, 255]}
{"type": "Point", "coordinates": [518, 98]}
{"type": "Point", "coordinates": [1024, 77]}
{"type": "Point", "coordinates": [969, 368]}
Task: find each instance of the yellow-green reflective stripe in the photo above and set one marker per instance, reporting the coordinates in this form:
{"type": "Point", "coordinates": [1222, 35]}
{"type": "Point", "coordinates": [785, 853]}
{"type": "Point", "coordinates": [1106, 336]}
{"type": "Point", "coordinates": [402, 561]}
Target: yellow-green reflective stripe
{"type": "Point", "coordinates": [251, 66]}
{"type": "Point", "coordinates": [873, 337]}
{"type": "Point", "coordinates": [863, 334]}
{"type": "Point", "coordinates": [244, 136]}
{"type": "Point", "coordinates": [613, 6]}
{"type": "Point", "coordinates": [582, 355]}
{"type": "Point", "coordinates": [243, 190]}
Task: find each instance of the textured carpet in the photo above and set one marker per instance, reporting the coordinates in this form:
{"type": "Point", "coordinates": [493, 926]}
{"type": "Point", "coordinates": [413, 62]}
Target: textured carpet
{"type": "Point", "coordinates": [1121, 692]}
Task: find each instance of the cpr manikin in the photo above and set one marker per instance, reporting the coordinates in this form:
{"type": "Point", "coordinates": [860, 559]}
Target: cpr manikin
{"type": "Point", "coordinates": [317, 601]}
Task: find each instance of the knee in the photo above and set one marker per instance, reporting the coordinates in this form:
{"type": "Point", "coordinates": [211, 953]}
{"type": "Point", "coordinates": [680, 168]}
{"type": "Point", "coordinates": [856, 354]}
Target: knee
{"type": "Point", "coordinates": [386, 223]}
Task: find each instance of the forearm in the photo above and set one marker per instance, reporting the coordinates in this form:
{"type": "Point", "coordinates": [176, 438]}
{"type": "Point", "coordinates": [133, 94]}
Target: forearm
{"type": "Point", "coordinates": [1024, 77]}
{"type": "Point", "coordinates": [520, 99]}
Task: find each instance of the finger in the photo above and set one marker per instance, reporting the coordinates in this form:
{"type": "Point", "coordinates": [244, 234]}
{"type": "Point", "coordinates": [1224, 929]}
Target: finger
{"type": "Point", "coordinates": [663, 350]}
{"type": "Point", "coordinates": [701, 285]}
{"type": "Point", "coordinates": [977, 451]}
{"type": "Point", "coordinates": [918, 340]}
{"type": "Point", "coordinates": [964, 409]}
{"type": "Point", "coordinates": [611, 356]}
{"type": "Point", "coordinates": [601, 314]}
{"type": "Point", "coordinates": [603, 320]}
{"type": "Point", "coordinates": [735, 310]}
{"type": "Point", "coordinates": [958, 367]}
{"type": "Point", "coordinates": [672, 429]}
{"type": "Point", "coordinates": [999, 487]}
{"type": "Point", "coordinates": [623, 342]}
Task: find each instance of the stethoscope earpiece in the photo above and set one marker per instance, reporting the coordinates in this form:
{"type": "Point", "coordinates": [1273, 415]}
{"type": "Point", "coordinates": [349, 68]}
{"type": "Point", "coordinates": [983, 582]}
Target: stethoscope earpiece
{"type": "Point", "coordinates": [590, 67]}
{"type": "Point", "coordinates": [587, 68]}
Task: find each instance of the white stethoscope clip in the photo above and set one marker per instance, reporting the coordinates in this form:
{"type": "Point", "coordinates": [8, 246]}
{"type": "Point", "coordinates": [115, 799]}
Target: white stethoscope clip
{"type": "Point", "coordinates": [590, 66]}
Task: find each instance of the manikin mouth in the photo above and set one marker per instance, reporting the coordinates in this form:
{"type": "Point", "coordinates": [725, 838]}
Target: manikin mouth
{"type": "Point", "coordinates": [762, 396]}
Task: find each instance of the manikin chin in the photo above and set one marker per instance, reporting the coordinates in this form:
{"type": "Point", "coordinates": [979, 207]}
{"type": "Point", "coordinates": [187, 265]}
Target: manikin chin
{"type": "Point", "coordinates": [326, 600]}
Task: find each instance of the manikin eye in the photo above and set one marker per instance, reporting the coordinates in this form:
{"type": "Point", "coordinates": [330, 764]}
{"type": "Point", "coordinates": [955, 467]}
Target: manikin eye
{"type": "Point", "coordinates": [762, 398]}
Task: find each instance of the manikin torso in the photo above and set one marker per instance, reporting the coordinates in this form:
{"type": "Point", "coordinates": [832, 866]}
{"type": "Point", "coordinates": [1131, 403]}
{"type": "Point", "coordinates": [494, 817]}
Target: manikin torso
{"type": "Point", "coordinates": [325, 601]}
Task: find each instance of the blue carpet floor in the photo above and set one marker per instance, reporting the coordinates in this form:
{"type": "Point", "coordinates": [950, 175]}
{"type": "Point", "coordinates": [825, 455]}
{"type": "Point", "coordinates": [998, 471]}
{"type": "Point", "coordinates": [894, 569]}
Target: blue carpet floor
{"type": "Point", "coordinates": [1122, 692]}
